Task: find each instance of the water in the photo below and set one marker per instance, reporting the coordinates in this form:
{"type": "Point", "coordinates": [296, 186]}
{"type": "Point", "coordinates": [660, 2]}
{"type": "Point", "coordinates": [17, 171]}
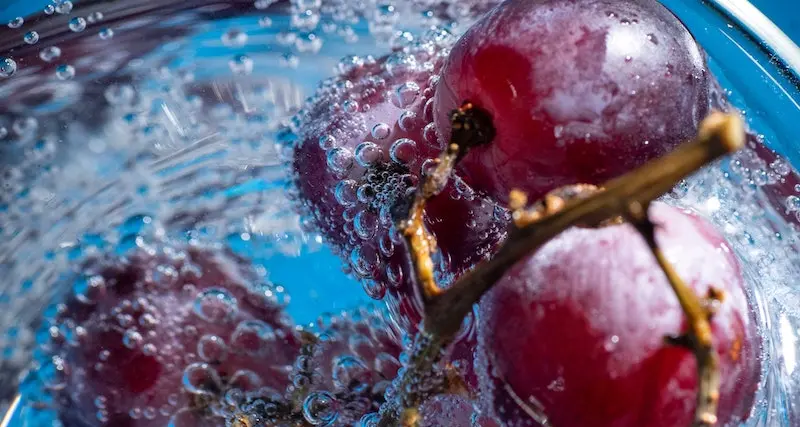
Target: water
{"type": "Point", "coordinates": [144, 124]}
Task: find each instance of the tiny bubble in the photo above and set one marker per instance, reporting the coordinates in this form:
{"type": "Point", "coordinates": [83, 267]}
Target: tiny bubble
{"type": "Point", "coordinates": [16, 22]}
{"type": "Point", "coordinates": [31, 37]}
{"type": "Point", "coordinates": [77, 24]}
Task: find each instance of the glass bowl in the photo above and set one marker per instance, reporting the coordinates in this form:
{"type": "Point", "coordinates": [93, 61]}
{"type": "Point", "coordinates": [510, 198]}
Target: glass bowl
{"type": "Point", "coordinates": [137, 119]}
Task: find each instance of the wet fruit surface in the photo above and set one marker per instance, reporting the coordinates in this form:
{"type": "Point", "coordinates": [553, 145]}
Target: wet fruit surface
{"type": "Point", "coordinates": [575, 333]}
{"type": "Point", "coordinates": [579, 97]}
{"type": "Point", "coordinates": [366, 139]}
{"type": "Point", "coordinates": [163, 335]}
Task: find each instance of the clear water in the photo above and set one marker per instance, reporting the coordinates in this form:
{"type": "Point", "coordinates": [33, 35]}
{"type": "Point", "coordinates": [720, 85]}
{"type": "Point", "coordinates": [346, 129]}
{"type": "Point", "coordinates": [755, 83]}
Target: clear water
{"type": "Point", "coordinates": [168, 121]}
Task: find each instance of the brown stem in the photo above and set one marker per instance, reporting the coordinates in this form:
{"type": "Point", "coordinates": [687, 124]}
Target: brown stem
{"type": "Point", "coordinates": [698, 338]}
{"type": "Point", "coordinates": [470, 127]}
{"type": "Point", "coordinates": [719, 134]}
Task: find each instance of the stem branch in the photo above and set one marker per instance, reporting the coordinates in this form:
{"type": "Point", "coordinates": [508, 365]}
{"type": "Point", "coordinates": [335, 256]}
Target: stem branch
{"type": "Point", "coordinates": [719, 134]}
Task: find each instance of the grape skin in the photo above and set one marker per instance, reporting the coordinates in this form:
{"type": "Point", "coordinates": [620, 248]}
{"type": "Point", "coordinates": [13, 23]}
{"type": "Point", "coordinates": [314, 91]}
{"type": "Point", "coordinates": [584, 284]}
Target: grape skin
{"type": "Point", "coordinates": [579, 327]}
{"type": "Point", "coordinates": [155, 294]}
{"type": "Point", "coordinates": [581, 92]}
{"type": "Point", "coordinates": [467, 226]}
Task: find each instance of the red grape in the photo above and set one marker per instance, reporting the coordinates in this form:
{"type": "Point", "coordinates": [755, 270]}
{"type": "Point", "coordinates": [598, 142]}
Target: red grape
{"type": "Point", "coordinates": [576, 331]}
{"type": "Point", "coordinates": [363, 143]}
{"type": "Point", "coordinates": [580, 91]}
{"type": "Point", "coordinates": [339, 377]}
{"type": "Point", "coordinates": [354, 360]}
{"type": "Point", "coordinates": [162, 335]}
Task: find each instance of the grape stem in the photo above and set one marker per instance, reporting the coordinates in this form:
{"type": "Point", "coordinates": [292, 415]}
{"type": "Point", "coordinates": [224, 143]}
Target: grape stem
{"type": "Point", "coordinates": [698, 337]}
{"type": "Point", "coordinates": [719, 134]}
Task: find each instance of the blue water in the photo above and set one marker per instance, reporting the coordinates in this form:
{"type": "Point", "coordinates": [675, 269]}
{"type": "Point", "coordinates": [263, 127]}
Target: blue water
{"type": "Point", "coordinates": [785, 13]}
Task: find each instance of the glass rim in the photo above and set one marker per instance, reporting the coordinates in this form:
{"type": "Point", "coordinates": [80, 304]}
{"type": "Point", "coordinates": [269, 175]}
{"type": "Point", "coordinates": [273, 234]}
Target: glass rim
{"type": "Point", "coordinates": [764, 33]}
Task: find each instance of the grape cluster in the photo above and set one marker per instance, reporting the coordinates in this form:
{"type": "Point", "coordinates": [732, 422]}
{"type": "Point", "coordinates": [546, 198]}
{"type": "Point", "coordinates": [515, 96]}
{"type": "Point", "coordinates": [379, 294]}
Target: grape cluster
{"type": "Point", "coordinates": [572, 335]}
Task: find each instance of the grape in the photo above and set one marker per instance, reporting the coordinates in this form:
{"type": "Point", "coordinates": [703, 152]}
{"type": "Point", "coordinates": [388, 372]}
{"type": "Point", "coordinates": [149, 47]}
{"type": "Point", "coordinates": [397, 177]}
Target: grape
{"type": "Point", "coordinates": [580, 92]}
{"type": "Point", "coordinates": [575, 332]}
{"type": "Point", "coordinates": [162, 336]}
{"type": "Point", "coordinates": [354, 359]}
{"type": "Point", "coordinates": [340, 375]}
{"type": "Point", "coordinates": [364, 141]}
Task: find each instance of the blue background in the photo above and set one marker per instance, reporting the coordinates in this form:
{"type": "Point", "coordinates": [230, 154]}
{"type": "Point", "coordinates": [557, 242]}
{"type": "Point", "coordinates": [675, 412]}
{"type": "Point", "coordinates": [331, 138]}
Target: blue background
{"type": "Point", "coordinates": [785, 13]}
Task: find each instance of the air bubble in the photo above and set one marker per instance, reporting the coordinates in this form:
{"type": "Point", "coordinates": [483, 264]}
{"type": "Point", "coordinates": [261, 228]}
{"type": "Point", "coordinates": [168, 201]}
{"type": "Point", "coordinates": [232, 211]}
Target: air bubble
{"type": "Point", "coordinates": [374, 289]}
{"type": "Point", "coordinates": [31, 37]}
{"type": "Point", "coordinates": [368, 154]}
{"type": "Point", "coordinates": [25, 126]}
{"type": "Point", "coordinates": [326, 142]}
{"type": "Point", "coordinates": [89, 290]}
{"type": "Point", "coordinates": [95, 16]}
{"type": "Point", "coordinates": [407, 121]}
{"type": "Point", "coordinates": [405, 94]}
{"type": "Point", "coordinates": [401, 63]}
{"type": "Point", "coordinates": [308, 43]}
{"type": "Point", "coordinates": [340, 160]}
{"type": "Point", "coordinates": [245, 380]}
{"type": "Point", "coordinates": [234, 38]}
{"type": "Point", "coordinates": [120, 94]}
{"type": "Point", "coordinates": [369, 420]}
{"type": "Point", "coordinates": [394, 273]}
{"type": "Point", "coordinates": [3, 132]}
{"type": "Point", "coordinates": [429, 135]}
{"type": "Point", "coordinates": [65, 72]}
{"type": "Point", "coordinates": [106, 33]}
{"type": "Point", "coordinates": [403, 151]}
{"type": "Point", "coordinates": [351, 374]}
{"type": "Point", "coordinates": [241, 65]}
{"type": "Point", "coordinates": [132, 339]}
{"type": "Point", "coordinates": [49, 9]}
{"type": "Point", "coordinates": [364, 260]}
{"type": "Point", "coordinates": [320, 408]}
{"type": "Point", "coordinates": [252, 336]}
{"type": "Point", "coordinates": [345, 192]}
{"type": "Point", "coordinates": [263, 4]}
{"type": "Point", "coordinates": [349, 63]}
{"type": "Point", "coordinates": [386, 246]}
{"type": "Point", "coordinates": [149, 349]}
{"type": "Point", "coordinates": [201, 378]}
{"type": "Point", "coordinates": [215, 305]}
{"type": "Point", "coordinates": [212, 348]}
{"type": "Point", "coordinates": [7, 67]}
{"type": "Point", "coordinates": [305, 20]}
{"type": "Point", "coordinates": [381, 131]}
{"type": "Point", "coordinates": [289, 60]}
{"type": "Point", "coordinates": [781, 167]}
{"type": "Point", "coordinates": [16, 22]}
{"type": "Point", "coordinates": [265, 22]}
{"type": "Point", "coordinates": [64, 7]}
{"type": "Point", "coordinates": [50, 53]}
{"type": "Point", "coordinates": [365, 193]}
{"type": "Point", "coordinates": [77, 24]}
{"type": "Point", "coordinates": [792, 203]}
{"type": "Point", "coordinates": [366, 224]}
{"type": "Point", "coordinates": [350, 106]}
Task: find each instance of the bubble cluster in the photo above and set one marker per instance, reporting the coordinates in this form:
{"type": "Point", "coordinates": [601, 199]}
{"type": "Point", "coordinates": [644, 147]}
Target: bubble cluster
{"type": "Point", "coordinates": [143, 337]}
{"type": "Point", "coordinates": [363, 136]}
{"type": "Point", "coordinates": [341, 372]}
